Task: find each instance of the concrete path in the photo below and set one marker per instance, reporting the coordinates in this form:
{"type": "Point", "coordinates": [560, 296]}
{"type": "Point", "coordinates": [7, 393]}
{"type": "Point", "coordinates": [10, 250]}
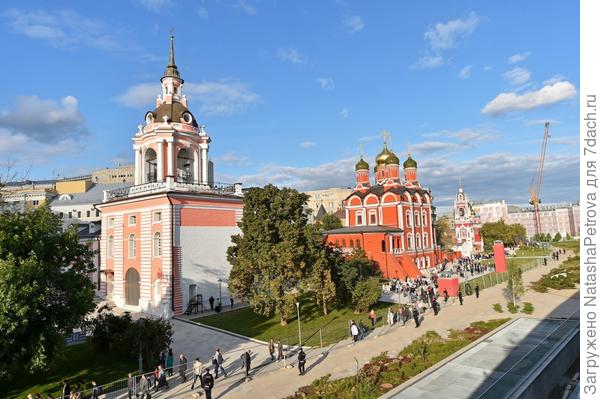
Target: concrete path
{"type": "Point", "coordinates": [272, 380]}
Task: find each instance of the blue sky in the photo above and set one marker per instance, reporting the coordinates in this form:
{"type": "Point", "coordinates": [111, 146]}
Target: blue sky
{"type": "Point", "coordinates": [288, 91]}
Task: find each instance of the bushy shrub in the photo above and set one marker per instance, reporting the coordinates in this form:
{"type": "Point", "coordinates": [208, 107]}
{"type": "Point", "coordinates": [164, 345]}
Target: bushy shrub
{"type": "Point", "coordinates": [512, 308]}
{"type": "Point", "coordinates": [527, 308]}
{"type": "Point", "coordinates": [498, 308]}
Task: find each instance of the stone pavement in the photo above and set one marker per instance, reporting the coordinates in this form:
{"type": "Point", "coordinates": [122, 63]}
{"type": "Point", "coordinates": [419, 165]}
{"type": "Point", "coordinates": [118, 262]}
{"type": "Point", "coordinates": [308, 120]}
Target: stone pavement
{"type": "Point", "coordinates": [272, 380]}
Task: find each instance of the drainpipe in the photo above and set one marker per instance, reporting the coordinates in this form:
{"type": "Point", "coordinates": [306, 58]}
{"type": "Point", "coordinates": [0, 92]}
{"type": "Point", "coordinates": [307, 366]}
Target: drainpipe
{"type": "Point", "coordinates": [172, 209]}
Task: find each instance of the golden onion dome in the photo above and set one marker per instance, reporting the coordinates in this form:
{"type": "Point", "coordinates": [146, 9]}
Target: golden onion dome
{"type": "Point", "coordinates": [361, 165]}
{"type": "Point", "coordinates": [383, 155]}
{"type": "Point", "coordinates": [392, 159]}
{"type": "Point", "coordinates": [410, 163]}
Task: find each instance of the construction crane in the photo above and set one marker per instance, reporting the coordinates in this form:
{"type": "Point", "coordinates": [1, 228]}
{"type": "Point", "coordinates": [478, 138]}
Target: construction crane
{"type": "Point", "coordinates": [536, 182]}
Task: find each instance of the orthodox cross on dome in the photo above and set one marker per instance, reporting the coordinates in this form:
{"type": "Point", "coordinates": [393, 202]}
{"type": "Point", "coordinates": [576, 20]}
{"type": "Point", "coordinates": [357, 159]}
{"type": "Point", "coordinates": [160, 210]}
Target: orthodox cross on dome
{"type": "Point", "coordinates": [361, 149]}
{"type": "Point", "coordinates": [385, 136]}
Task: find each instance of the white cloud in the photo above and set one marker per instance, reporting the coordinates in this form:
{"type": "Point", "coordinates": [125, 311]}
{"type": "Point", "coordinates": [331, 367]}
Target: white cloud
{"type": "Point", "coordinates": [245, 7]}
{"type": "Point", "coordinates": [307, 144]}
{"type": "Point", "coordinates": [567, 140]}
{"type": "Point", "coordinates": [353, 23]}
{"type": "Point", "coordinates": [561, 182]}
{"type": "Point", "coordinates": [465, 135]}
{"type": "Point", "coordinates": [487, 68]}
{"type": "Point", "coordinates": [554, 79]}
{"type": "Point", "coordinates": [154, 5]}
{"type": "Point", "coordinates": [44, 120]}
{"type": "Point", "coordinates": [513, 59]}
{"type": "Point", "coordinates": [429, 61]}
{"type": "Point", "coordinates": [223, 97]}
{"type": "Point", "coordinates": [517, 76]}
{"type": "Point", "coordinates": [437, 146]}
{"type": "Point", "coordinates": [508, 102]}
{"type": "Point", "coordinates": [444, 35]}
{"type": "Point", "coordinates": [344, 113]}
{"type": "Point", "coordinates": [64, 29]}
{"type": "Point", "coordinates": [465, 73]}
{"type": "Point", "coordinates": [232, 158]}
{"type": "Point", "coordinates": [542, 121]}
{"type": "Point", "coordinates": [291, 55]}
{"type": "Point", "coordinates": [325, 83]}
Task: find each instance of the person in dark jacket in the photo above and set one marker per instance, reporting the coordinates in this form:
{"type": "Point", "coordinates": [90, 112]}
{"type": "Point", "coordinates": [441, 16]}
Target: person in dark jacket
{"type": "Point", "coordinates": [272, 348]}
{"type": "Point", "coordinates": [279, 350]}
{"type": "Point", "coordinates": [182, 367]}
{"type": "Point", "coordinates": [211, 302]}
{"type": "Point", "coordinates": [246, 360]}
{"type": "Point", "coordinates": [66, 391]}
{"type": "Point", "coordinates": [301, 361]}
{"type": "Point", "coordinates": [207, 383]}
{"type": "Point", "coordinates": [476, 290]}
{"type": "Point", "coordinates": [96, 390]}
{"type": "Point", "coordinates": [415, 313]}
{"type": "Point", "coordinates": [460, 297]}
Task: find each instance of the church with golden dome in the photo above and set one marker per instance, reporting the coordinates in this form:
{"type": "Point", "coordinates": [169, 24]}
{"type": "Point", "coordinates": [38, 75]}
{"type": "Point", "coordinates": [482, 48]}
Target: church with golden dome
{"type": "Point", "coordinates": [391, 218]}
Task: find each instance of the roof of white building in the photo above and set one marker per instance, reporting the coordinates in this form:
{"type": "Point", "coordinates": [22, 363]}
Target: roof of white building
{"type": "Point", "coordinates": [93, 196]}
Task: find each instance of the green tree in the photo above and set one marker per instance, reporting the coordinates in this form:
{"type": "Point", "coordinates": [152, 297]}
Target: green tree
{"type": "Point", "coordinates": [557, 237]}
{"type": "Point", "coordinates": [514, 285]}
{"type": "Point", "coordinates": [500, 231]}
{"type": "Point", "coordinates": [568, 237]}
{"type": "Point", "coordinates": [330, 222]}
{"type": "Point", "coordinates": [44, 288]}
{"type": "Point", "coordinates": [443, 233]}
{"type": "Point", "coordinates": [548, 237]}
{"type": "Point", "coordinates": [351, 270]}
{"type": "Point", "coordinates": [320, 277]}
{"type": "Point", "coordinates": [269, 259]}
{"type": "Point", "coordinates": [365, 294]}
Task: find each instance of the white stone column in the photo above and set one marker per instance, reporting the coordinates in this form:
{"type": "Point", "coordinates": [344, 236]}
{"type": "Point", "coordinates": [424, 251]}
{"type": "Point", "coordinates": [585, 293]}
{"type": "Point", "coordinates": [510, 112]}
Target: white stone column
{"type": "Point", "coordinates": [196, 166]}
{"type": "Point", "coordinates": [170, 157]}
{"type": "Point", "coordinates": [143, 177]}
{"type": "Point", "coordinates": [138, 166]}
{"type": "Point", "coordinates": [160, 161]}
{"type": "Point", "coordinates": [204, 149]}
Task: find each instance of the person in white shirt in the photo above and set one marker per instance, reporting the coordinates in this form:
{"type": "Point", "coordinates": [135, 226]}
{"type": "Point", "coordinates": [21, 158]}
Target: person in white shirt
{"type": "Point", "coordinates": [197, 372]}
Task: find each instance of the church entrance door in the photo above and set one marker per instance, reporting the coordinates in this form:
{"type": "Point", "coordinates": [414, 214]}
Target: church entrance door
{"type": "Point", "coordinates": [132, 287]}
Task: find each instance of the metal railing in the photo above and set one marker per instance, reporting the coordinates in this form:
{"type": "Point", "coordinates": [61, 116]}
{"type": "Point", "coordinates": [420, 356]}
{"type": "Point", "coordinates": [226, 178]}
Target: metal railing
{"type": "Point", "coordinates": [163, 186]}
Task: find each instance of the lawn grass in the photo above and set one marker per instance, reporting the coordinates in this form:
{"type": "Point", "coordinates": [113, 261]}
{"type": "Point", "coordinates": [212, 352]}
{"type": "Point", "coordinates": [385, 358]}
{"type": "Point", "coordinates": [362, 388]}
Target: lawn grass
{"type": "Point", "coordinates": [532, 251]}
{"type": "Point", "coordinates": [334, 325]}
{"type": "Point", "coordinates": [78, 363]}
{"type": "Point", "coordinates": [384, 372]}
{"type": "Point", "coordinates": [562, 277]}
{"type": "Point", "coordinates": [490, 279]}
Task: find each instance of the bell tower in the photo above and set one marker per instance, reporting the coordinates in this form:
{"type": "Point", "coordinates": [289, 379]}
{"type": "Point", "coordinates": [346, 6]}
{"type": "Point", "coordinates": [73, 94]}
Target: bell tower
{"type": "Point", "coordinates": [171, 147]}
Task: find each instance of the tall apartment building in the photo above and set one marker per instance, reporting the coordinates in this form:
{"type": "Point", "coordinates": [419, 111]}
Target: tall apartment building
{"type": "Point", "coordinates": [331, 199]}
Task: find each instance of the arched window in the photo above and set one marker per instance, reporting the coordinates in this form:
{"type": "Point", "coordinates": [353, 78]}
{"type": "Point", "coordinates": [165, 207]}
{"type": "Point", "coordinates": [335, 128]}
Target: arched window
{"type": "Point", "coordinates": [343, 243]}
{"type": "Point", "coordinates": [418, 262]}
{"type": "Point", "coordinates": [408, 219]}
{"type": "Point", "coordinates": [337, 243]}
{"type": "Point", "coordinates": [461, 212]}
{"type": "Point", "coordinates": [372, 217]}
{"type": "Point", "coordinates": [428, 262]}
{"type": "Point", "coordinates": [131, 250]}
{"type": "Point", "coordinates": [417, 218]}
{"type": "Point", "coordinates": [110, 247]}
{"type": "Point", "coordinates": [418, 240]}
{"type": "Point", "coordinates": [425, 240]}
{"type": "Point", "coordinates": [156, 245]}
{"type": "Point", "coordinates": [357, 242]}
{"type": "Point", "coordinates": [351, 243]}
{"type": "Point", "coordinates": [410, 241]}
{"type": "Point", "coordinates": [424, 218]}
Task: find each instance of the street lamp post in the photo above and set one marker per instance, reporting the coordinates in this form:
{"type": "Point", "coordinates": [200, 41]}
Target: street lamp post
{"type": "Point", "coordinates": [140, 323]}
{"type": "Point", "coordinates": [220, 299]}
{"type": "Point", "coordinates": [299, 330]}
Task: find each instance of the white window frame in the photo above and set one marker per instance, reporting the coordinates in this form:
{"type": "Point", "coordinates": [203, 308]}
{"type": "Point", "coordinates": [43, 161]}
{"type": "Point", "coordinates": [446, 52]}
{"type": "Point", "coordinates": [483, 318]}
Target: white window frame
{"type": "Point", "coordinates": [417, 219]}
{"type": "Point", "coordinates": [157, 248]}
{"type": "Point", "coordinates": [110, 246]}
{"type": "Point", "coordinates": [157, 217]}
{"type": "Point", "coordinates": [111, 222]}
{"type": "Point", "coordinates": [132, 220]}
{"type": "Point", "coordinates": [131, 249]}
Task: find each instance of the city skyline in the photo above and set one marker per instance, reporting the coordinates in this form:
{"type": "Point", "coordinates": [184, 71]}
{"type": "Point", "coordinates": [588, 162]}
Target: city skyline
{"type": "Point", "coordinates": [465, 89]}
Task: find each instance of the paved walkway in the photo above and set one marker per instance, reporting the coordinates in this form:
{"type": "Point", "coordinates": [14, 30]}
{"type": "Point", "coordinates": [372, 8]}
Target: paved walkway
{"type": "Point", "coordinates": [272, 380]}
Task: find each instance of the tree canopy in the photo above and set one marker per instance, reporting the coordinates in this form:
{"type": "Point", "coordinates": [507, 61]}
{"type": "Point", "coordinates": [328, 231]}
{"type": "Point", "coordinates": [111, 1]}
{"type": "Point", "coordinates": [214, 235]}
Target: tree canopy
{"type": "Point", "coordinates": [330, 222]}
{"type": "Point", "coordinates": [509, 234]}
{"type": "Point", "coordinates": [271, 257]}
{"type": "Point", "coordinates": [443, 233]}
{"type": "Point", "coordinates": [44, 288]}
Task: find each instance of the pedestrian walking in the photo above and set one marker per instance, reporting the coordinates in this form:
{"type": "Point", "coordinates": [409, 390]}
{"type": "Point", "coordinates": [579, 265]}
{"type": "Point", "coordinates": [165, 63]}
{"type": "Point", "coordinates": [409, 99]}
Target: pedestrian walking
{"type": "Point", "coordinates": [415, 313]}
{"type": "Point", "coordinates": [405, 315]}
{"type": "Point", "coordinates": [301, 361]}
{"type": "Point", "coordinates": [476, 290]}
{"type": "Point", "coordinates": [446, 295]}
{"type": "Point", "coordinates": [207, 383]}
{"type": "Point", "coordinates": [169, 362]}
{"type": "Point", "coordinates": [434, 306]}
{"type": "Point", "coordinates": [231, 302]}
{"type": "Point", "coordinates": [246, 360]}
{"type": "Point", "coordinates": [218, 363]}
{"type": "Point", "coordinates": [211, 302]}
{"type": "Point", "coordinates": [354, 330]}
{"type": "Point", "coordinates": [182, 367]}
{"type": "Point", "coordinates": [96, 390]}
{"type": "Point", "coordinates": [161, 379]}
{"type": "Point", "coordinates": [373, 317]}
{"type": "Point", "coordinates": [144, 387]}
{"type": "Point", "coordinates": [390, 317]}
{"type": "Point", "coordinates": [130, 386]}
{"type": "Point", "coordinates": [460, 297]}
{"type": "Point", "coordinates": [197, 372]}
{"type": "Point", "coordinates": [162, 359]}
{"type": "Point", "coordinates": [66, 390]}
{"type": "Point", "coordinates": [279, 350]}
{"type": "Point", "coordinates": [272, 348]}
